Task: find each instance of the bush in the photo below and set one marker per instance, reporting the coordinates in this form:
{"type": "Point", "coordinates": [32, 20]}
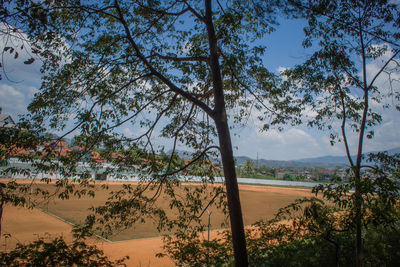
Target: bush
{"type": "Point", "coordinates": [56, 253]}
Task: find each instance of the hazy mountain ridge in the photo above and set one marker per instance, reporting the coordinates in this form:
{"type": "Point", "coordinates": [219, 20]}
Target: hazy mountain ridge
{"type": "Point", "coordinates": [289, 163]}
{"type": "Point", "coordinates": [327, 162]}
{"type": "Point", "coordinates": [343, 159]}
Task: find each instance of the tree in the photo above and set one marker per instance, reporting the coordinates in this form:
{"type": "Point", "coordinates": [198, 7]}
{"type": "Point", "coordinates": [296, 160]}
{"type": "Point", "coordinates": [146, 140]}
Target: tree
{"type": "Point", "coordinates": [185, 64]}
{"type": "Point", "coordinates": [287, 177]}
{"type": "Point", "coordinates": [248, 167]}
{"type": "Point", "coordinates": [337, 84]}
{"type": "Point", "coordinates": [14, 41]}
{"type": "Point", "coordinates": [57, 253]}
{"type": "Point", "coordinates": [307, 232]}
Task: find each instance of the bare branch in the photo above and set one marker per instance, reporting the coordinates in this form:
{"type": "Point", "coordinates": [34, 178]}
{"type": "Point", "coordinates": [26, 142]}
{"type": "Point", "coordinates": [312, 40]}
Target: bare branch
{"type": "Point", "coordinates": [194, 12]}
{"type": "Point", "coordinates": [210, 203]}
{"type": "Point", "coordinates": [343, 126]}
{"type": "Point", "coordinates": [250, 91]}
{"type": "Point", "coordinates": [383, 68]}
{"type": "Point", "coordinates": [164, 12]}
{"type": "Point", "coordinates": [369, 167]}
{"type": "Point", "coordinates": [191, 162]}
{"type": "Point", "coordinates": [151, 128]}
{"type": "Point", "coordinates": [181, 59]}
{"type": "Point", "coordinates": [176, 136]}
{"type": "Point", "coordinates": [138, 111]}
{"type": "Point", "coordinates": [164, 79]}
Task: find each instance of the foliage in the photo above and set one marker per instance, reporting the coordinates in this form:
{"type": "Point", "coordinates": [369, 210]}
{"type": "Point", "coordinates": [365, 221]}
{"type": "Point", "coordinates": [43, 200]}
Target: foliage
{"type": "Point", "coordinates": [315, 231]}
{"type": "Point", "coordinates": [308, 232]}
{"type": "Point", "coordinates": [348, 35]}
{"type": "Point", "coordinates": [343, 93]}
{"type": "Point", "coordinates": [15, 42]}
{"type": "Point", "coordinates": [287, 177]}
{"type": "Point", "coordinates": [187, 206]}
{"type": "Point", "coordinates": [57, 253]}
{"type": "Point", "coordinates": [248, 167]}
{"type": "Point", "coordinates": [187, 248]}
{"type": "Point", "coordinates": [176, 69]}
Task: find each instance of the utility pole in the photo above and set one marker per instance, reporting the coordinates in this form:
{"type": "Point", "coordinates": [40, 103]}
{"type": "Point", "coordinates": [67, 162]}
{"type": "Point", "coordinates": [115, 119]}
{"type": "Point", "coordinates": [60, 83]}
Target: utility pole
{"type": "Point", "coordinates": [257, 162]}
{"type": "Point", "coordinates": [209, 224]}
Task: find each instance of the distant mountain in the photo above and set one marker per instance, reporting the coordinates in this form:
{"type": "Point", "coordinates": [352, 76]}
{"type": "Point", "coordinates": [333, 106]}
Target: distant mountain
{"type": "Point", "coordinates": [181, 153]}
{"type": "Point", "coordinates": [327, 162]}
{"type": "Point", "coordinates": [326, 159]}
{"type": "Point", "coordinates": [184, 154]}
{"type": "Point", "coordinates": [288, 163]}
{"type": "Point", "coordinates": [342, 159]}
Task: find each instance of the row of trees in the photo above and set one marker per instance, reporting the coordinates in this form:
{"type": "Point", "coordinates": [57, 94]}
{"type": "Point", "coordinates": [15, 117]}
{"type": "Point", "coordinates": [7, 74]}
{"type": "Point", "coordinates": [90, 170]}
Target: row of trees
{"type": "Point", "coordinates": [181, 69]}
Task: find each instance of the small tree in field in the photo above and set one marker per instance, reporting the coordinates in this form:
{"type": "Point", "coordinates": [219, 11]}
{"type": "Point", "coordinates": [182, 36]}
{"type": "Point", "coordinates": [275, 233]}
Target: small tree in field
{"type": "Point", "coordinates": [180, 69]}
{"type": "Point", "coordinates": [340, 88]}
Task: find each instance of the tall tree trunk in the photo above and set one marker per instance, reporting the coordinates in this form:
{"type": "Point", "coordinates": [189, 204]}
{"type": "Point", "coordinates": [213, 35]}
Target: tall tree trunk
{"type": "Point", "coordinates": [357, 172]}
{"type": "Point", "coordinates": [225, 144]}
{"type": "Point", "coordinates": [1, 205]}
{"type": "Point", "coordinates": [232, 190]}
{"type": "Point", "coordinates": [358, 217]}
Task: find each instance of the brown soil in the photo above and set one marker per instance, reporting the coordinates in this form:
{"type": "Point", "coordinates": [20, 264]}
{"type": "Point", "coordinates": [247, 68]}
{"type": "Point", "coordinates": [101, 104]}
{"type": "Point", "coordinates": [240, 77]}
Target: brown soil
{"type": "Point", "coordinates": [22, 225]}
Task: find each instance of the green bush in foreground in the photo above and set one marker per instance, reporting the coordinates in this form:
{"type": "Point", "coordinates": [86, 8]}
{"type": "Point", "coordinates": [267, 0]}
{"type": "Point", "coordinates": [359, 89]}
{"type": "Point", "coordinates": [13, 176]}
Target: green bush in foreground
{"type": "Point", "coordinates": [319, 237]}
{"type": "Point", "coordinates": [316, 231]}
{"type": "Point", "coordinates": [57, 253]}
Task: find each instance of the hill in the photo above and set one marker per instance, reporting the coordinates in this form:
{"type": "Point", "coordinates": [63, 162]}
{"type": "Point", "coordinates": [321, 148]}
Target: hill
{"type": "Point", "coordinates": [289, 163]}
{"type": "Point", "coordinates": [342, 159]}
{"type": "Point", "coordinates": [327, 162]}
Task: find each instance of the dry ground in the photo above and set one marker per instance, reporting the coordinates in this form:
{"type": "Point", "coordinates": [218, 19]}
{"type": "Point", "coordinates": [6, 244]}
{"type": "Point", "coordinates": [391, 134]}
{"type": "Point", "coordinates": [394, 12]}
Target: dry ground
{"type": "Point", "coordinates": [22, 225]}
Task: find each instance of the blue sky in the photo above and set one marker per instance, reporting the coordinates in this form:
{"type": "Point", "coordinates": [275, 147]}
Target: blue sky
{"type": "Point", "coordinates": [283, 50]}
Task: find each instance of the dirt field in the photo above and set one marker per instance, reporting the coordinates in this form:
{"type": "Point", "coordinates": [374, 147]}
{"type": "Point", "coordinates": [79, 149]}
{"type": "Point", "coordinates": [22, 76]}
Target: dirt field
{"type": "Point", "coordinates": [21, 225]}
{"type": "Point", "coordinates": [258, 202]}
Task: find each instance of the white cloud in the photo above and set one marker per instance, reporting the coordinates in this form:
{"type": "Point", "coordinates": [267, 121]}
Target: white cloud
{"type": "Point", "coordinates": [8, 91]}
{"type": "Point", "coordinates": [386, 134]}
{"type": "Point", "coordinates": [15, 99]}
{"type": "Point", "coordinates": [293, 143]}
{"type": "Point", "coordinates": [13, 67]}
{"type": "Point", "coordinates": [19, 81]}
{"type": "Point", "coordinates": [281, 69]}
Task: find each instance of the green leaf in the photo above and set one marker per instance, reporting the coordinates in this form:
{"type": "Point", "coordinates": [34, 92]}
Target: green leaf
{"type": "Point", "coordinates": [29, 61]}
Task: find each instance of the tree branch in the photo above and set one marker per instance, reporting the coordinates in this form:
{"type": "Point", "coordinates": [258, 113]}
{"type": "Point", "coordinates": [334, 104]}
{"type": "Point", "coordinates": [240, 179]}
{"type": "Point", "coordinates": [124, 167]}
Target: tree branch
{"type": "Point", "coordinates": [343, 127]}
{"type": "Point", "coordinates": [176, 136]}
{"type": "Point", "coordinates": [165, 80]}
{"type": "Point", "coordinates": [191, 162]}
{"type": "Point", "coordinates": [181, 59]}
{"type": "Point", "coordinates": [250, 91]}
{"type": "Point", "coordinates": [164, 12]}
{"type": "Point", "coordinates": [194, 12]}
{"type": "Point", "coordinates": [383, 68]}
{"type": "Point", "coordinates": [301, 6]}
{"type": "Point", "coordinates": [138, 111]}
